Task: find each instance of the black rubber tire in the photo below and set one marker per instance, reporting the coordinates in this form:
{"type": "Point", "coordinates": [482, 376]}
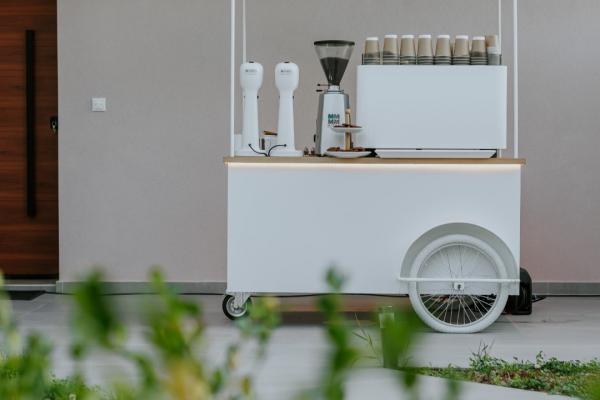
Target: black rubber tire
{"type": "Point", "coordinates": [521, 304]}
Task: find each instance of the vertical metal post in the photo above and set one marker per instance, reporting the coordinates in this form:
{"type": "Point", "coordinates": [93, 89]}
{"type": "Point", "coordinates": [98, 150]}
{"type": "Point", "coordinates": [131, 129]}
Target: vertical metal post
{"type": "Point", "coordinates": [244, 57]}
{"type": "Point", "coordinates": [500, 25]}
{"type": "Point", "coordinates": [499, 155]}
{"type": "Point", "coordinates": [515, 79]}
{"type": "Point", "coordinates": [232, 84]}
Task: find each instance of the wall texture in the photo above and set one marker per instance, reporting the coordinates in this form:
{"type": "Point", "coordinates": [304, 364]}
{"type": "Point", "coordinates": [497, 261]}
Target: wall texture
{"type": "Point", "coordinates": [144, 184]}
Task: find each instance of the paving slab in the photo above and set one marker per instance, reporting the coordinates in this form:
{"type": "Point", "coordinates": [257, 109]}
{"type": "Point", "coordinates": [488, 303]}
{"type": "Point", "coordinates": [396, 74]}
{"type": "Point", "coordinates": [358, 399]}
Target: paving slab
{"type": "Point", "coordinates": [567, 328]}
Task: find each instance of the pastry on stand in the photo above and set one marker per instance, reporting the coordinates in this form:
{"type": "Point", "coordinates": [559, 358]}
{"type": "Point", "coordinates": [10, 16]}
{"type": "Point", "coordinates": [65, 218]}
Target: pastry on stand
{"type": "Point", "coordinates": [349, 151]}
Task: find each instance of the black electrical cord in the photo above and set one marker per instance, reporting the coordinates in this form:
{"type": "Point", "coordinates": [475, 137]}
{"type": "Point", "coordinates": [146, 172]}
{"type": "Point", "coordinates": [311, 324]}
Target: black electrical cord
{"type": "Point", "coordinates": [280, 296]}
{"type": "Point", "coordinates": [535, 298]}
{"type": "Point", "coordinates": [268, 153]}
{"type": "Point", "coordinates": [258, 152]}
{"type": "Point", "coordinates": [271, 149]}
{"type": "Point", "coordinates": [139, 293]}
{"type": "Point", "coordinates": [290, 296]}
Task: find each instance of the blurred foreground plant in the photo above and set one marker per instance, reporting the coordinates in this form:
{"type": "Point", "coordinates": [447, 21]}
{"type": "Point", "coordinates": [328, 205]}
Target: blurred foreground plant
{"type": "Point", "coordinates": [400, 330]}
{"type": "Point", "coordinates": [25, 366]}
{"type": "Point", "coordinates": [175, 367]}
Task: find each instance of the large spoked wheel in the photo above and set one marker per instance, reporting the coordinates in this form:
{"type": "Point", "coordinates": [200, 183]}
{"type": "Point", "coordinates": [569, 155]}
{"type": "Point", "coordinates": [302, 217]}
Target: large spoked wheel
{"type": "Point", "coordinates": [460, 295]}
{"type": "Point", "coordinates": [233, 311]}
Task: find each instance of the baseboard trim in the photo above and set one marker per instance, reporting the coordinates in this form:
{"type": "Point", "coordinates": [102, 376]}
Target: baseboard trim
{"type": "Point", "coordinates": [539, 288]}
{"type": "Point", "coordinates": [566, 288]}
{"type": "Point", "coordinates": [34, 285]}
{"type": "Point", "coordinates": [145, 287]}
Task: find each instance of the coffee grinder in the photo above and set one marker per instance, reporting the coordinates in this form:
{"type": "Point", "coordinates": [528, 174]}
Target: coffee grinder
{"type": "Point", "coordinates": [334, 56]}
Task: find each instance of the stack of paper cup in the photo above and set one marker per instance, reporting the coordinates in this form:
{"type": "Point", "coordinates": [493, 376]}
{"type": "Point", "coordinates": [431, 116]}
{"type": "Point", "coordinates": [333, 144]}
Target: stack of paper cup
{"type": "Point", "coordinates": [443, 52]}
{"type": "Point", "coordinates": [408, 55]}
{"type": "Point", "coordinates": [408, 50]}
{"type": "Point", "coordinates": [390, 50]}
{"type": "Point", "coordinates": [478, 51]}
{"type": "Point", "coordinates": [493, 50]}
{"type": "Point", "coordinates": [461, 55]}
{"type": "Point", "coordinates": [424, 51]}
{"type": "Point", "coordinates": [371, 54]}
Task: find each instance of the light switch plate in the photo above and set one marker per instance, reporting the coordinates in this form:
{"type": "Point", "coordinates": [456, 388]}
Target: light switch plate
{"type": "Point", "coordinates": [98, 104]}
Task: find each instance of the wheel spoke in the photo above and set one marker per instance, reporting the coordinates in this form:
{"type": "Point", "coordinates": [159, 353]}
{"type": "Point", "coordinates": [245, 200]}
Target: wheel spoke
{"type": "Point", "coordinates": [451, 306]}
{"type": "Point", "coordinates": [485, 305]}
{"type": "Point", "coordinates": [431, 300]}
{"type": "Point", "coordinates": [476, 305]}
{"type": "Point", "coordinates": [465, 310]}
{"type": "Point", "coordinates": [470, 309]}
{"type": "Point", "coordinates": [483, 300]}
{"type": "Point", "coordinates": [460, 259]}
{"type": "Point", "coordinates": [435, 313]}
{"type": "Point", "coordinates": [448, 263]}
{"type": "Point", "coordinates": [443, 315]}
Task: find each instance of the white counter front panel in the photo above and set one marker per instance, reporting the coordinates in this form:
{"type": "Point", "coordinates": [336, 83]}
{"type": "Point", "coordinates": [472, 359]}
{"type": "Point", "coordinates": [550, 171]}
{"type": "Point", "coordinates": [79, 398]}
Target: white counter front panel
{"type": "Point", "coordinates": [288, 223]}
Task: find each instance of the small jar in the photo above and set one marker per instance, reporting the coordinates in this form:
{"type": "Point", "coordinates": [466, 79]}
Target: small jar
{"type": "Point", "coordinates": [268, 140]}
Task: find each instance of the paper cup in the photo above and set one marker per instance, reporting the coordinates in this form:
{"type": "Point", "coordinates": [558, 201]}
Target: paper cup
{"type": "Point", "coordinates": [407, 46]}
{"type": "Point", "coordinates": [478, 46]}
{"type": "Point", "coordinates": [442, 46]}
{"type": "Point", "coordinates": [424, 49]}
{"type": "Point", "coordinates": [492, 41]}
{"type": "Point", "coordinates": [390, 45]}
{"type": "Point", "coordinates": [372, 46]}
{"type": "Point", "coordinates": [461, 46]}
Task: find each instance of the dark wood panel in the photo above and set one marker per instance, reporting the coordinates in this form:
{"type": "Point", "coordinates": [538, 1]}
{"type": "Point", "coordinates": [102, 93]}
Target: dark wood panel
{"type": "Point", "coordinates": [28, 246]}
{"type": "Point", "coordinates": [12, 177]}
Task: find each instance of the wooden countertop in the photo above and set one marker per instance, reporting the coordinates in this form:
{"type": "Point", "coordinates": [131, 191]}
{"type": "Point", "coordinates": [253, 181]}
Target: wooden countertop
{"type": "Point", "coordinates": [371, 160]}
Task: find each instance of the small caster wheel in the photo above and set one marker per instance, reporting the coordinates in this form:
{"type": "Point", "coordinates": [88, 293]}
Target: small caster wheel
{"type": "Point", "coordinates": [230, 309]}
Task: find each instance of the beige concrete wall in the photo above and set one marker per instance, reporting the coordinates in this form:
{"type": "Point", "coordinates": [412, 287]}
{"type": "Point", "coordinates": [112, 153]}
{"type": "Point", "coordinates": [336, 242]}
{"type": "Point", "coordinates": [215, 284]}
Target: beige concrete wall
{"type": "Point", "coordinates": [143, 183]}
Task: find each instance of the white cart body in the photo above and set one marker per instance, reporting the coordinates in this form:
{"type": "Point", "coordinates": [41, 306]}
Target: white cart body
{"type": "Point", "coordinates": [289, 221]}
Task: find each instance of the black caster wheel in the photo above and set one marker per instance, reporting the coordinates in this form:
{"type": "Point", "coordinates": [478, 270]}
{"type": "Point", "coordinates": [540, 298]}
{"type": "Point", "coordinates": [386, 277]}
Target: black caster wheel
{"type": "Point", "coordinates": [231, 311]}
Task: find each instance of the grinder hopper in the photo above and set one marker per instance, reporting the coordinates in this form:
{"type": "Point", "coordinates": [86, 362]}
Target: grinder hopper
{"type": "Point", "coordinates": [334, 56]}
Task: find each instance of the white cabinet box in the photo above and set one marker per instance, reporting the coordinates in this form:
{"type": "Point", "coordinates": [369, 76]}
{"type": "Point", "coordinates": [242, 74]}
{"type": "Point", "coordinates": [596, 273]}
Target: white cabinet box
{"type": "Point", "coordinates": [431, 107]}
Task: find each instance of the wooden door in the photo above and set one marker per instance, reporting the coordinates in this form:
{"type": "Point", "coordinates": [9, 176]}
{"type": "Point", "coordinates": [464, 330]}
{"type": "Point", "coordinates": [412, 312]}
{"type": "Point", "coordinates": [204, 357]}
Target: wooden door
{"type": "Point", "coordinates": [28, 156]}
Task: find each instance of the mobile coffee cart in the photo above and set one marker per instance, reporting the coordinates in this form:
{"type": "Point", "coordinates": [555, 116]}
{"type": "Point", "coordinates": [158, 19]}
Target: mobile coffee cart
{"type": "Point", "coordinates": [445, 231]}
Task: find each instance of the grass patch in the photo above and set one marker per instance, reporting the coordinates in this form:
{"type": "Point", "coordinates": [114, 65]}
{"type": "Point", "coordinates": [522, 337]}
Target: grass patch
{"type": "Point", "coordinates": [72, 388]}
{"type": "Point", "coordinates": [549, 375]}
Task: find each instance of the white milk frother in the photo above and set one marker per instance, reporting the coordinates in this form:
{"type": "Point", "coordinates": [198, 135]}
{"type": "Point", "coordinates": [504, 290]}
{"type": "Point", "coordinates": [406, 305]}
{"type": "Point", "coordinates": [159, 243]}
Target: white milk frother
{"type": "Point", "coordinates": [251, 79]}
{"type": "Point", "coordinates": [287, 76]}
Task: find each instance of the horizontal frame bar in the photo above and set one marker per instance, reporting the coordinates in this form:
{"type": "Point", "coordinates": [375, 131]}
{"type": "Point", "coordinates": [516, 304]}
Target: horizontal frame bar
{"type": "Point", "coordinates": [452, 280]}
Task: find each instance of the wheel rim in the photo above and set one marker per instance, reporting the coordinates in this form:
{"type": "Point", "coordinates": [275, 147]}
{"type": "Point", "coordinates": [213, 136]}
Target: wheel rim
{"type": "Point", "coordinates": [458, 304]}
{"type": "Point", "coordinates": [234, 311]}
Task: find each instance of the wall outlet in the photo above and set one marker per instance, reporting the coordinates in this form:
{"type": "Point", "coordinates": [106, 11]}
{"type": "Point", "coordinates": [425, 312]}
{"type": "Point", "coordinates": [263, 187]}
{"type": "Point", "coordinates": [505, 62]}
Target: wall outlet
{"type": "Point", "coordinates": [98, 104]}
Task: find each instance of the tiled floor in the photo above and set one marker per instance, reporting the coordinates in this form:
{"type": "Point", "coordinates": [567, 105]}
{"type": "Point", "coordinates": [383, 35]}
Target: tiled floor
{"type": "Point", "coordinates": [567, 328]}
